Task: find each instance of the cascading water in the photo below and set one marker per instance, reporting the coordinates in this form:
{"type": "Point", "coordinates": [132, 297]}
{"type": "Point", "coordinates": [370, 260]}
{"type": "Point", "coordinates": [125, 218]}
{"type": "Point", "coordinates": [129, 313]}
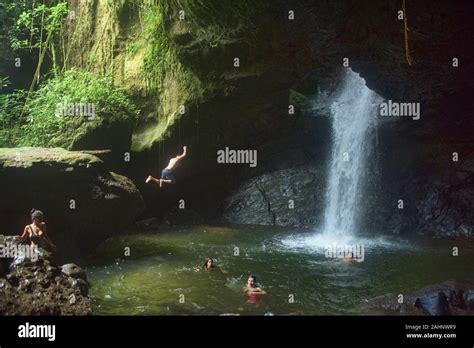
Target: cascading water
{"type": "Point", "coordinates": [353, 116]}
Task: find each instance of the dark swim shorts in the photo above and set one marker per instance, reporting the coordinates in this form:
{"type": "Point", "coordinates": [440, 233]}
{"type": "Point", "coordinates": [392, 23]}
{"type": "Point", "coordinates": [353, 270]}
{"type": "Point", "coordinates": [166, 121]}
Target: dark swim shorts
{"type": "Point", "coordinates": [166, 175]}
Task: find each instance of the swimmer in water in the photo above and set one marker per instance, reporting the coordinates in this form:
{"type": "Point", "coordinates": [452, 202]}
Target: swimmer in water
{"type": "Point", "coordinates": [348, 259]}
{"type": "Point", "coordinates": [208, 266]}
{"type": "Point", "coordinates": [252, 290]}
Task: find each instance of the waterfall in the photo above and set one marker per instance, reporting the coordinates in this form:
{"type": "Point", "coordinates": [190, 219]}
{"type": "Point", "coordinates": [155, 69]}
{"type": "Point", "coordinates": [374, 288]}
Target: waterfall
{"type": "Point", "coordinates": [353, 116]}
{"type": "Point", "coordinates": [353, 111]}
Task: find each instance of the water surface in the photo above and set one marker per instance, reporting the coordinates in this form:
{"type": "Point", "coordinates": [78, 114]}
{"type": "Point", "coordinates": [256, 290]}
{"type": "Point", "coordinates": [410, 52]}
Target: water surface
{"type": "Point", "coordinates": [289, 264]}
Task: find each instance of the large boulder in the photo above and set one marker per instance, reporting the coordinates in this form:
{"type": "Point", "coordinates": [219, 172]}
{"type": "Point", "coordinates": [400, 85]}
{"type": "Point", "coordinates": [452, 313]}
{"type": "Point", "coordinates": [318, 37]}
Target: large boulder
{"type": "Point", "coordinates": [433, 304]}
{"type": "Point", "coordinates": [289, 197]}
{"type": "Point", "coordinates": [84, 203]}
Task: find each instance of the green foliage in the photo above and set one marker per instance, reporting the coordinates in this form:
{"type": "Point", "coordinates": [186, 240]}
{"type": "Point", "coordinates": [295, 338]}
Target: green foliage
{"type": "Point", "coordinates": [133, 48]}
{"type": "Point", "coordinates": [160, 52]}
{"type": "Point", "coordinates": [33, 25]}
{"type": "Point", "coordinates": [10, 110]}
{"type": "Point", "coordinates": [55, 16]}
{"type": "Point", "coordinates": [10, 10]}
{"type": "Point", "coordinates": [45, 125]}
{"type": "Point", "coordinates": [4, 82]}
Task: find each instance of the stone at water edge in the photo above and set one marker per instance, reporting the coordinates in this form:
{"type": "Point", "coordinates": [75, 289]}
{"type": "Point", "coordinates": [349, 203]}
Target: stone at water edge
{"type": "Point", "coordinates": [74, 271]}
{"type": "Point", "coordinates": [39, 287]}
{"type": "Point", "coordinates": [433, 304]}
{"type": "Point", "coordinates": [80, 284]}
{"type": "Point", "coordinates": [470, 299]}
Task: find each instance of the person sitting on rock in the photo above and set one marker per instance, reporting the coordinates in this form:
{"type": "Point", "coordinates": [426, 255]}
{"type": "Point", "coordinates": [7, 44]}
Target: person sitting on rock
{"type": "Point", "coordinates": [166, 175]}
{"type": "Point", "coordinates": [36, 231]}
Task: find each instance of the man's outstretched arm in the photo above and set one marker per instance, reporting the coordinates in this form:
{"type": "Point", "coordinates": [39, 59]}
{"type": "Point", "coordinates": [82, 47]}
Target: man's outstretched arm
{"type": "Point", "coordinates": [183, 154]}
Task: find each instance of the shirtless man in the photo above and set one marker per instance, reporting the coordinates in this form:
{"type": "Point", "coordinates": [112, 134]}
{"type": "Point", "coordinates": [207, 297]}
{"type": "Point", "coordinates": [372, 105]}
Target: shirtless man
{"type": "Point", "coordinates": [166, 175]}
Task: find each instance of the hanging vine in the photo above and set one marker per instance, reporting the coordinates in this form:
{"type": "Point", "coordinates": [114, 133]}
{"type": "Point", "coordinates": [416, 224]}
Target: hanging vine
{"type": "Point", "coordinates": [406, 30]}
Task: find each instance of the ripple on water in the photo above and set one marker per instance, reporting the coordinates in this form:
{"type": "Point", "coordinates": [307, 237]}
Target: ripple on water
{"type": "Point", "coordinates": [234, 283]}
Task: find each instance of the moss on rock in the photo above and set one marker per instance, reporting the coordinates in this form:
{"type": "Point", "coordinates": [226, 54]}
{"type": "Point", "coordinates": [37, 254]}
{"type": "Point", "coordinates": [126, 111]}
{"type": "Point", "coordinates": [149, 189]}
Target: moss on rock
{"type": "Point", "coordinates": [26, 157]}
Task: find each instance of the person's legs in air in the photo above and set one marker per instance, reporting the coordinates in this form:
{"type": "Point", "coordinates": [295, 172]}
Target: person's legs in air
{"type": "Point", "coordinates": [167, 177]}
{"type": "Point", "coordinates": [152, 179]}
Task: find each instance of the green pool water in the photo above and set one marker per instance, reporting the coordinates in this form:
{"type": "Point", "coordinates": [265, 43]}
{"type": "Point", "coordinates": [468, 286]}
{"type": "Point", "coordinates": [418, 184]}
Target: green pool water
{"type": "Point", "coordinates": [297, 275]}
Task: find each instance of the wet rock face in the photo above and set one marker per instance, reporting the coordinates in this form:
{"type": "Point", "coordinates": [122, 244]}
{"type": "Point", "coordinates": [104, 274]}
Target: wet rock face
{"type": "Point", "coordinates": [289, 197]}
{"type": "Point", "coordinates": [84, 203]}
{"type": "Point", "coordinates": [37, 286]}
{"type": "Point", "coordinates": [436, 203]}
{"type": "Point", "coordinates": [447, 208]}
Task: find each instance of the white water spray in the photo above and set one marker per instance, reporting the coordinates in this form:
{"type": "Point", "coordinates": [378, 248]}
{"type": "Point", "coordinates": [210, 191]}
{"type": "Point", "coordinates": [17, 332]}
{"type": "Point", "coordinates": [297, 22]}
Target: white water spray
{"type": "Point", "coordinates": [353, 116]}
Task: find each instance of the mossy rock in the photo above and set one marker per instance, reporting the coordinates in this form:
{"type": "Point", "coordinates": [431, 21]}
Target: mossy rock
{"type": "Point", "coordinates": [27, 157]}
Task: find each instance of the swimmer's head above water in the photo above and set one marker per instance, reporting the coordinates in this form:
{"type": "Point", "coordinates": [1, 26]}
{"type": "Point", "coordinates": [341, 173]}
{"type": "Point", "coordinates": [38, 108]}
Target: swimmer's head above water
{"type": "Point", "coordinates": [252, 281]}
{"type": "Point", "coordinates": [252, 288]}
{"type": "Point", "coordinates": [208, 264]}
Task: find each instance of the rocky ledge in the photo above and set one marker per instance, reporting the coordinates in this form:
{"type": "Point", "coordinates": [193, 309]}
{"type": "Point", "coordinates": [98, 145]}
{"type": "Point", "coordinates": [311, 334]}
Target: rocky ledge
{"type": "Point", "coordinates": [32, 284]}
